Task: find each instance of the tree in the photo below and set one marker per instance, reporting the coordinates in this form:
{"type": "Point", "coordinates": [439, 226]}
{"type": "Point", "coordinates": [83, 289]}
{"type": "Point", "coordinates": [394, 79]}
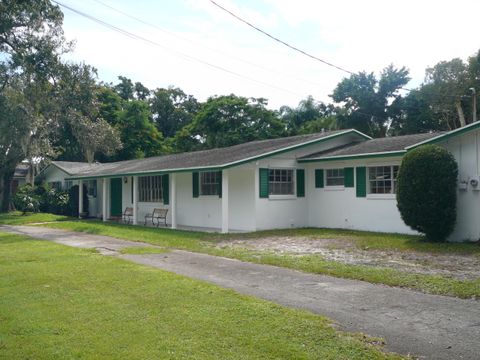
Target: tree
{"type": "Point", "coordinates": [326, 123]}
{"type": "Point", "coordinates": [172, 109]}
{"type": "Point", "coordinates": [139, 136]}
{"type": "Point", "coordinates": [367, 101]}
{"type": "Point", "coordinates": [83, 131]}
{"type": "Point", "coordinates": [141, 92]}
{"type": "Point", "coordinates": [125, 88]}
{"type": "Point", "coordinates": [229, 120]}
{"type": "Point", "coordinates": [308, 110]}
{"type": "Point", "coordinates": [447, 86]}
{"type": "Point", "coordinates": [31, 42]}
{"type": "Point", "coordinates": [414, 114]}
{"type": "Point", "coordinates": [426, 191]}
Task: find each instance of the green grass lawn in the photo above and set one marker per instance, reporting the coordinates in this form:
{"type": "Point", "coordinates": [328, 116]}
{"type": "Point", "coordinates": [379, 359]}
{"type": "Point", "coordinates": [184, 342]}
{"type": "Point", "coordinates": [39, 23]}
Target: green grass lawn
{"type": "Point", "coordinates": [17, 218]}
{"type": "Point", "coordinates": [204, 242]}
{"type": "Point", "coordinates": [58, 302]}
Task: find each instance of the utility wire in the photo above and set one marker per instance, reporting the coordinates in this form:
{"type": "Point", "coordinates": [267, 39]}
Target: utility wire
{"type": "Point", "coordinates": [183, 55]}
{"type": "Point", "coordinates": [302, 51]}
{"type": "Point", "coordinates": [281, 41]}
{"type": "Point", "coordinates": [264, 68]}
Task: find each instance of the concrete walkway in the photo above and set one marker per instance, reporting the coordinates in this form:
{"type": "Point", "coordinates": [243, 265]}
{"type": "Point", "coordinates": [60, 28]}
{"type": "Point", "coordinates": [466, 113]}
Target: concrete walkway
{"type": "Point", "coordinates": [428, 326]}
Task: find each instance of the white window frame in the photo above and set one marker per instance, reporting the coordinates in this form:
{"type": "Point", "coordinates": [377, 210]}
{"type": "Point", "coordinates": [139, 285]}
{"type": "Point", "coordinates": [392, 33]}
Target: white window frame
{"type": "Point", "coordinates": [293, 181]}
{"type": "Point", "coordinates": [150, 189]}
{"type": "Point", "coordinates": [209, 180]}
{"type": "Point", "coordinates": [336, 176]}
{"type": "Point", "coordinates": [393, 180]}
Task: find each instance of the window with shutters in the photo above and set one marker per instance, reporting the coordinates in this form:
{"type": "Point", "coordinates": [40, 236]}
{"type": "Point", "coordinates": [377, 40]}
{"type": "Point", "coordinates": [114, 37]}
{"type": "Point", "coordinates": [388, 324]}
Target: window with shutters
{"type": "Point", "coordinates": [150, 189]}
{"type": "Point", "coordinates": [382, 179]}
{"type": "Point", "coordinates": [281, 182]}
{"type": "Point", "coordinates": [334, 177]}
{"type": "Point", "coordinates": [210, 182]}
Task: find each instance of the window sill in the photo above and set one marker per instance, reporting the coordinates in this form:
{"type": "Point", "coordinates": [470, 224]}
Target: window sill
{"type": "Point", "coordinates": [334, 188]}
{"type": "Point", "coordinates": [282, 197]}
{"type": "Point", "coordinates": [381, 196]}
{"type": "Point", "coordinates": [208, 196]}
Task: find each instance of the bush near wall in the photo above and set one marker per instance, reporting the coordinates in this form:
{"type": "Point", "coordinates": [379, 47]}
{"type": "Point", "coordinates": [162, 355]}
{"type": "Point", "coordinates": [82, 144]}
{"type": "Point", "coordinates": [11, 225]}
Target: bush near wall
{"type": "Point", "coordinates": [43, 198]}
{"type": "Point", "coordinates": [427, 191]}
{"type": "Point", "coordinates": [25, 199]}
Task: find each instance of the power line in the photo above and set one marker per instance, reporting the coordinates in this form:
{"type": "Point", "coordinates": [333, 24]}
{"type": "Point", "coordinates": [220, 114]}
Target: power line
{"type": "Point", "coordinates": [302, 51]}
{"type": "Point", "coordinates": [264, 68]}
{"type": "Point", "coordinates": [281, 41]}
{"type": "Point", "coordinates": [183, 55]}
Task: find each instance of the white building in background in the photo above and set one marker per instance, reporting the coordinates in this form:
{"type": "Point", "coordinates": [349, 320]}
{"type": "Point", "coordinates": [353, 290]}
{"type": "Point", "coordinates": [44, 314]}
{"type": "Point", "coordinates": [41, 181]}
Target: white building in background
{"type": "Point", "coordinates": [337, 179]}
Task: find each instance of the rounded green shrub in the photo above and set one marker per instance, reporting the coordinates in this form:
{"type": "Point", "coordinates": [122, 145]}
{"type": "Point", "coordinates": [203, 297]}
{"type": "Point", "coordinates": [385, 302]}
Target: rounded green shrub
{"type": "Point", "coordinates": [25, 199]}
{"type": "Point", "coordinates": [427, 191]}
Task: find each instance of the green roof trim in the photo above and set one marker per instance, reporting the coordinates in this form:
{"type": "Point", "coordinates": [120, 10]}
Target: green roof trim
{"type": "Point", "coordinates": [227, 165]}
{"type": "Point", "coordinates": [447, 136]}
{"type": "Point", "coordinates": [355, 157]}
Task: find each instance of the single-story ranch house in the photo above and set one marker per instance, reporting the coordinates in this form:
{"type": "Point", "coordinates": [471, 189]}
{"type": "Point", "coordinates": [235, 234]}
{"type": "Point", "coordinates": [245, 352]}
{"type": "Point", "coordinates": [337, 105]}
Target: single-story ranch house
{"type": "Point", "coordinates": [336, 179]}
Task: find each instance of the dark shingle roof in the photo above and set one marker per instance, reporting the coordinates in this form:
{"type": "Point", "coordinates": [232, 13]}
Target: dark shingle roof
{"type": "Point", "coordinates": [74, 168]}
{"type": "Point", "coordinates": [21, 170]}
{"type": "Point", "coordinates": [214, 158]}
{"type": "Point", "coordinates": [380, 145]}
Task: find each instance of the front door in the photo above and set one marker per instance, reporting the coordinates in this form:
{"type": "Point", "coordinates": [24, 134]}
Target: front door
{"type": "Point", "coordinates": [116, 197]}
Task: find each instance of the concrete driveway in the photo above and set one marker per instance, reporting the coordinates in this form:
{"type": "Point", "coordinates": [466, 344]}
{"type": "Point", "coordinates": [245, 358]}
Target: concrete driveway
{"type": "Point", "coordinates": [427, 326]}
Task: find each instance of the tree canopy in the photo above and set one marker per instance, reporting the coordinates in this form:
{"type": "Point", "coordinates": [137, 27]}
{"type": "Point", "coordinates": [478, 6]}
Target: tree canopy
{"type": "Point", "coordinates": [367, 101]}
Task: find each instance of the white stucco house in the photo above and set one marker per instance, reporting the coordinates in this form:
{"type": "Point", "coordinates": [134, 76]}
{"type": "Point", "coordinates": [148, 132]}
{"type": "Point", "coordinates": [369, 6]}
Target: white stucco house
{"type": "Point", "coordinates": [336, 179]}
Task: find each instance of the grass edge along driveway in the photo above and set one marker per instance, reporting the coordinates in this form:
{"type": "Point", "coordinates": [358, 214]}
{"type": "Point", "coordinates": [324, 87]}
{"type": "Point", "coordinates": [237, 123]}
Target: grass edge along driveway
{"type": "Point", "coordinates": [205, 243]}
{"type": "Point", "coordinates": [62, 302]}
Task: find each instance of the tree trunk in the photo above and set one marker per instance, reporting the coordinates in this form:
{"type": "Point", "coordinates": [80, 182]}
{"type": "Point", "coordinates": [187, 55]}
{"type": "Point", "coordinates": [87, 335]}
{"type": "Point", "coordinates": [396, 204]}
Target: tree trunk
{"type": "Point", "coordinates": [5, 187]}
{"type": "Point", "coordinates": [461, 115]}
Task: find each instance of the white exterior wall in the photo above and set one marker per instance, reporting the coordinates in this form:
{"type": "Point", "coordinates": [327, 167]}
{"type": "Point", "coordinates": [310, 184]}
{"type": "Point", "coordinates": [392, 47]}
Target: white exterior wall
{"type": "Point", "coordinates": [241, 202]}
{"type": "Point", "coordinates": [54, 174]}
{"type": "Point", "coordinates": [339, 207]}
{"type": "Point", "coordinates": [465, 149]}
{"type": "Point", "coordinates": [204, 211]}
{"type": "Point", "coordinates": [280, 211]}
{"type": "Point", "coordinates": [288, 211]}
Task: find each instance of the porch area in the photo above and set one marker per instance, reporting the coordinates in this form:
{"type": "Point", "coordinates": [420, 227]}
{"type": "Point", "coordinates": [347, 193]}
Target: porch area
{"type": "Point", "coordinates": [143, 195]}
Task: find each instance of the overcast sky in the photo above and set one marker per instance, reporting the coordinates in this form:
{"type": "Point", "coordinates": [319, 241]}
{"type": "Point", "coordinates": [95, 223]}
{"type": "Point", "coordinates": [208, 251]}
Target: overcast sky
{"type": "Point", "coordinates": [187, 34]}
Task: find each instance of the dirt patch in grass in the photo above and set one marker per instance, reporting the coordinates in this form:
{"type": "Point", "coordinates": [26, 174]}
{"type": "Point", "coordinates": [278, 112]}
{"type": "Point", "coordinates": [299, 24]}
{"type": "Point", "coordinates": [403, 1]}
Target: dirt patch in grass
{"type": "Point", "coordinates": [457, 266]}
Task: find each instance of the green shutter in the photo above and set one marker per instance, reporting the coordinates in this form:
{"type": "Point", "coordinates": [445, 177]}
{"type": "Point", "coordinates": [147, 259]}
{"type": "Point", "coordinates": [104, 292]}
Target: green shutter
{"type": "Point", "coordinates": [166, 189]}
{"type": "Point", "coordinates": [263, 183]}
{"type": "Point", "coordinates": [361, 173]}
{"type": "Point", "coordinates": [219, 184]}
{"type": "Point", "coordinates": [348, 174]}
{"type": "Point", "coordinates": [300, 183]}
{"type": "Point", "coordinates": [195, 184]}
{"type": "Point", "coordinates": [319, 178]}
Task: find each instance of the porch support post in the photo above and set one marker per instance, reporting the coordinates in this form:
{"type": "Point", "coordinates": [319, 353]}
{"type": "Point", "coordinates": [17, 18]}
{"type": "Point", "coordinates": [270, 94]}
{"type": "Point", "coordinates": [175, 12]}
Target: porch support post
{"type": "Point", "coordinates": [225, 201]}
{"type": "Point", "coordinates": [104, 199]}
{"type": "Point", "coordinates": [173, 200]}
{"type": "Point", "coordinates": [80, 198]}
{"type": "Point", "coordinates": [135, 200]}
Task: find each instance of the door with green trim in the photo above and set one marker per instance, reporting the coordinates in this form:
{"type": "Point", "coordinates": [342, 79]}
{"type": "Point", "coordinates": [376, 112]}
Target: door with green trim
{"type": "Point", "coordinates": [116, 197]}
